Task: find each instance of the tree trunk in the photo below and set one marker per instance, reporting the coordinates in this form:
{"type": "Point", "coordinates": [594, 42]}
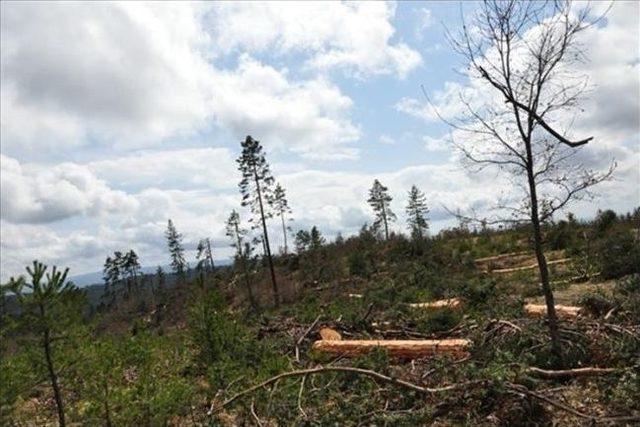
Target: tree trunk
{"type": "Point", "coordinates": [386, 227]}
{"type": "Point", "coordinates": [107, 410]}
{"type": "Point", "coordinates": [284, 232]}
{"type": "Point", "coordinates": [53, 377]}
{"type": "Point", "coordinates": [247, 282]}
{"type": "Point", "coordinates": [552, 318]}
{"type": "Point", "coordinates": [276, 295]}
{"type": "Point", "coordinates": [210, 257]}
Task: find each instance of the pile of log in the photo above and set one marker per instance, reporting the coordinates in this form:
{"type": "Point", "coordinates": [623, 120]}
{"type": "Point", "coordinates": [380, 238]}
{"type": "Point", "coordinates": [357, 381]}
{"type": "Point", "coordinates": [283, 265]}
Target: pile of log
{"type": "Point", "coordinates": [332, 343]}
{"type": "Point", "coordinates": [563, 311]}
{"type": "Point", "coordinates": [453, 303]}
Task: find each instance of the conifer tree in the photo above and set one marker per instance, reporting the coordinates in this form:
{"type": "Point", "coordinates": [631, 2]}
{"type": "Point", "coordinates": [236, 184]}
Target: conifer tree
{"type": "Point", "coordinates": [176, 250]}
{"type": "Point", "coordinates": [110, 275]}
{"type": "Point", "coordinates": [379, 200]}
{"type": "Point", "coordinates": [256, 189]}
{"type": "Point", "coordinates": [417, 212]}
{"type": "Point", "coordinates": [160, 283]}
{"type": "Point", "coordinates": [50, 308]}
{"type": "Point", "coordinates": [131, 266]}
{"type": "Point", "coordinates": [204, 255]}
{"type": "Point", "coordinates": [281, 205]}
{"type": "Point", "coordinates": [237, 234]}
{"type": "Point", "coordinates": [302, 241]}
{"type": "Point", "coordinates": [316, 240]}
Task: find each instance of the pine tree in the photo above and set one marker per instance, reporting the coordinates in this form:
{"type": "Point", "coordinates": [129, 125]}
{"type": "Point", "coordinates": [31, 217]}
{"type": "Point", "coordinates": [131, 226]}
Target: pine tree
{"type": "Point", "coordinates": [279, 202]}
{"type": "Point", "coordinates": [50, 309]}
{"type": "Point", "coordinates": [110, 275]}
{"type": "Point", "coordinates": [316, 240]}
{"type": "Point", "coordinates": [131, 266]}
{"type": "Point", "coordinates": [237, 234]}
{"type": "Point", "coordinates": [379, 199]}
{"type": "Point", "coordinates": [417, 212]}
{"type": "Point", "coordinates": [204, 255]}
{"type": "Point", "coordinates": [256, 189]}
{"type": "Point", "coordinates": [176, 250]}
{"type": "Point", "coordinates": [302, 241]}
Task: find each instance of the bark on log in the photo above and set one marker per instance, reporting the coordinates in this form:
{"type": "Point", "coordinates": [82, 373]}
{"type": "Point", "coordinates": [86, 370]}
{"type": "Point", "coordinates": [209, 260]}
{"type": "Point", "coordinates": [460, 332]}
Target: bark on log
{"type": "Point", "coordinates": [409, 349]}
{"type": "Point", "coordinates": [453, 303]}
{"type": "Point", "coordinates": [564, 311]}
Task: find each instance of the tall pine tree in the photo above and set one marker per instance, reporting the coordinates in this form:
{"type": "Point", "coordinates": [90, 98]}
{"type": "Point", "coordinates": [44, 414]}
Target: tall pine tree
{"type": "Point", "coordinates": [280, 204]}
{"type": "Point", "coordinates": [256, 189]}
{"type": "Point", "coordinates": [204, 255]}
{"type": "Point", "coordinates": [379, 200]}
{"type": "Point", "coordinates": [176, 250]}
{"type": "Point", "coordinates": [131, 266]}
{"type": "Point", "coordinates": [417, 212]}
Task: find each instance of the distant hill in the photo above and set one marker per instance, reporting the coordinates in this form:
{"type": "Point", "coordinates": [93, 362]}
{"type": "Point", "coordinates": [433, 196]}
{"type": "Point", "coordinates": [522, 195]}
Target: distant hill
{"type": "Point", "coordinates": [95, 278]}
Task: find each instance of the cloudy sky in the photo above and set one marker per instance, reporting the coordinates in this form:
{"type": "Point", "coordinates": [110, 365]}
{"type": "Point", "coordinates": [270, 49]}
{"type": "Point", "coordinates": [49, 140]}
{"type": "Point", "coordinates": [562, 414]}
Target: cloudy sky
{"type": "Point", "coordinates": [116, 117]}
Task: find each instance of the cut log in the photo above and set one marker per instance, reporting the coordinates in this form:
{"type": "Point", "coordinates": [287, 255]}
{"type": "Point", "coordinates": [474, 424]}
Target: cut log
{"type": "Point", "coordinates": [529, 267]}
{"type": "Point", "coordinates": [540, 310]}
{"type": "Point", "coordinates": [452, 303]}
{"type": "Point", "coordinates": [355, 296]}
{"type": "Point", "coordinates": [328, 334]}
{"type": "Point", "coordinates": [407, 349]}
{"type": "Point", "coordinates": [502, 256]}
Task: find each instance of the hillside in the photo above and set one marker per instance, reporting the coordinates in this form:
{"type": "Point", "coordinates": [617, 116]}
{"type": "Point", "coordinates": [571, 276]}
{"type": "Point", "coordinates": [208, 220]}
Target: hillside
{"type": "Point", "coordinates": [196, 353]}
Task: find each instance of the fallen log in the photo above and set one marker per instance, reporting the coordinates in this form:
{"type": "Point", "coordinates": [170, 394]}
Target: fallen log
{"type": "Point", "coordinates": [328, 334]}
{"type": "Point", "coordinates": [501, 256]}
{"type": "Point", "coordinates": [452, 303]}
{"type": "Point", "coordinates": [529, 267]}
{"type": "Point", "coordinates": [406, 349]}
{"type": "Point", "coordinates": [570, 373]}
{"type": "Point", "coordinates": [563, 311]}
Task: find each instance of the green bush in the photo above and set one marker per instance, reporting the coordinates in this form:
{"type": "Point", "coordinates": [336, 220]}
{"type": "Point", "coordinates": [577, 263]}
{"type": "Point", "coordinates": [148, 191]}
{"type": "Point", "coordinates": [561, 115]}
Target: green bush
{"type": "Point", "coordinates": [439, 320]}
{"type": "Point", "coordinates": [618, 255]}
{"type": "Point", "coordinates": [360, 264]}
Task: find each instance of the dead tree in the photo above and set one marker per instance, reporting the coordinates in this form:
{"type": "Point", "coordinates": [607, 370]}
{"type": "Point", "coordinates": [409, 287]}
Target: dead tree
{"type": "Point", "coordinates": [520, 57]}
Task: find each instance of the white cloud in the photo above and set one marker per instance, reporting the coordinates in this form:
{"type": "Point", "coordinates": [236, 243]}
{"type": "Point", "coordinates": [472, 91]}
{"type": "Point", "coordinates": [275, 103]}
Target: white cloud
{"type": "Point", "coordinates": [436, 144]}
{"type": "Point", "coordinates": [309, 117]}
{"type": "Point", "coordinates": [425, 20]}
{"type": "Point", "coordinates": [386, 140]}
{"type": "Point", "coordinates": [131, 75]}
{"type": "Point", "coordinates": [32, 194]}
{"type": "Point", "coordinates": [351, 36]}
{"type": "Point", "coordinates": [109, 70]}
{"type": "Point", "coordinates": [193, 167]}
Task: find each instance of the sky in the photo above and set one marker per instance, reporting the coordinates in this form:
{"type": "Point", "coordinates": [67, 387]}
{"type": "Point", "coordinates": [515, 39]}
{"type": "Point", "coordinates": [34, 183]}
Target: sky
{"type": "Point", "coordinates": [116, 117]}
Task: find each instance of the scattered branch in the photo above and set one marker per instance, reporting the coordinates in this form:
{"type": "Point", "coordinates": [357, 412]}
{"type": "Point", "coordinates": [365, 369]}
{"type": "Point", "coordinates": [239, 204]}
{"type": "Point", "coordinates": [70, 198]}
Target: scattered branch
{"type": "Point", "coordinates": [358, 371]}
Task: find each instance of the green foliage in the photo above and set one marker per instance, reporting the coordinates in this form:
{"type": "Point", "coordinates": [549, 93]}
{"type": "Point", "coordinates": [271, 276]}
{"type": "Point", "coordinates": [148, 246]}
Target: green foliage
{"type": "Point", "coordinates": [360, 264]}
{"type": "Point", "coordinates": [380, 202]}
{"type": "Point", "coordinates": [478, 292]}
{"type": "Point", "coordinates": [436, 320]}
{"type": "Point", "coordinates": [597, 303]}
{"type": "Point", "coordinates": [176, 250]}
{"type": "Point", "coordinates": [618, 255]}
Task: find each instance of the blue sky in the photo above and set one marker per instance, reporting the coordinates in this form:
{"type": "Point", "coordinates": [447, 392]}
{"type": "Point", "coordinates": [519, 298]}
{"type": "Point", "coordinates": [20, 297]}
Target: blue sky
{"type": "Point", "coordinates": [116, 117]}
